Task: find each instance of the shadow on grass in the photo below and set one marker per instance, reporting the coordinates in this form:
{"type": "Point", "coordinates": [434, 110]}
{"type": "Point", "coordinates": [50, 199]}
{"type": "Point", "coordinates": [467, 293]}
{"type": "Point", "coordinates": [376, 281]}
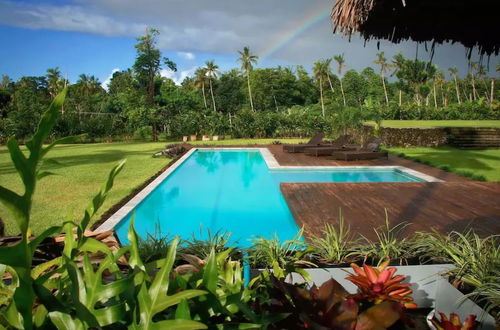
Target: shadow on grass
{"type": "Point", "coordinates": [455, 160]}
{"type": "Point", "coordinates": [93, 157]}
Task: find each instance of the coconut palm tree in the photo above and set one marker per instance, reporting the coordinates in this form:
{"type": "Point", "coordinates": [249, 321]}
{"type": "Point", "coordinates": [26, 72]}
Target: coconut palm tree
{"type": "Point", "coordinates": [327, 64]}
{"type": "Point", "coordinates": [247, 60]}
{"type": "Point", "coordinates": [55, 82]}
{"type": "Point", "coordinates": [83, 82]}
{"type": "Point", "coordinates": [319, 71]}
{"type": "Point", "coordinates": [384, 66]}
{"type": "Point", "coordinates": [453, 71]}
{"type": "Point", "coordinates": [212, 72]}
{"type": "Point", "coordinates": [200, 76]}
{"type": "Point", "coordinates": [340, 62]}
{"type": "Point", "coordinates": [473, 67]}
{"type": "Point", "coordinates": [440, 80]}
{"type": "Point", "coordinates": [398, 62]}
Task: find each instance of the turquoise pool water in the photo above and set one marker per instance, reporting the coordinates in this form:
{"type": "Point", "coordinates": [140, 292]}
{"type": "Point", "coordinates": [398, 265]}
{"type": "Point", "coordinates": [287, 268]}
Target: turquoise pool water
{"type": "Point", "coordinates": [232, 191]}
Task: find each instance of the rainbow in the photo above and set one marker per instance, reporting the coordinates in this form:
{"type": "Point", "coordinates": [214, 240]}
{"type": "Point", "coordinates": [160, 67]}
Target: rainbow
{"type": "Point", "coordinates": [300, 27]}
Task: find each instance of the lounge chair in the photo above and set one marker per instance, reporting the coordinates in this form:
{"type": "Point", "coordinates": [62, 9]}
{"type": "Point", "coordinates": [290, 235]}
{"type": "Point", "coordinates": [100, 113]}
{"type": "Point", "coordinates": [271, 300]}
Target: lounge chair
{"type": "Point", "coordinates": [340, 144]}
{"type": "Point", "coordinates": [315, 141]}
{"type": "Point", "coordinates": [369, 150]}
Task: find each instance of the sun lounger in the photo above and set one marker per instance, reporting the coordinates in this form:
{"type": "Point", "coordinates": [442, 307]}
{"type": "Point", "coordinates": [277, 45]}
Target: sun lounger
{"type": "Point", "coordinates": [369, 150]}
{"type": "Point", "coordinates": [340, 144]}
{"type": "Point", "coordinates": [315, 141]}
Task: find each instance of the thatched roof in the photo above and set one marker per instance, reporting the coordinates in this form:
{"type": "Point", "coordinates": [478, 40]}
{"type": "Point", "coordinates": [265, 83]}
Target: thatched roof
{"type": "Point", "coordinates": [473, 23]}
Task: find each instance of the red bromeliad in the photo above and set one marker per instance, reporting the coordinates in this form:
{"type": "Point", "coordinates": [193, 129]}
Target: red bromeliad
{"type": "Point", "coordinates": [454, 323]}
{"type": "Point", "coordinates": [378, 284]}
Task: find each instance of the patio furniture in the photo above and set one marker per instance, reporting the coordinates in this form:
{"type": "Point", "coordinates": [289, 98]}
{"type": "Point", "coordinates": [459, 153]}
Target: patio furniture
{"type": "Point", "coordinates": [340, 144]}
{"type": "Point", "coordinates": [315, 141]}
{"type": "Point", "coordinates": [369, 150]}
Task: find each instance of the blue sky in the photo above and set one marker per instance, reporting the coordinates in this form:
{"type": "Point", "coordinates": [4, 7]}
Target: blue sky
{"type": "Point", "coordinates": [97, 36]}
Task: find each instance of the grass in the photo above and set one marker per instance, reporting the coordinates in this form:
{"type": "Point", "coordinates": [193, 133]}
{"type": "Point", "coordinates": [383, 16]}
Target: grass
{"type": "Point", "coordinates": [438, 123]}
{"type": "Point", "coordinates": [82, 170]}
{"type": "Point", "coordinates": [481, 165]}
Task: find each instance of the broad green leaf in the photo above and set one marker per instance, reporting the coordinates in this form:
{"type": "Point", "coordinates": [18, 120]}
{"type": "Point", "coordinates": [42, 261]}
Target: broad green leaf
{"type": "Point", "coordinates": [64, 321]}
{"type": "Point", "coordinates": [167, 301]}
{"type": "Point", "coordinates": [134, 259]}
{"type": "Point", "coordinates": [48, 121]}
{"type": "Point", "coordinates": [178, 325]}
{"type": "Point", "coordinates": [46, 233]}
{"type": "Point", "coordinates": [182, 311]}
{"type": "Point", "coordinates": [210, 274]}
{"type": "Point", "coordinates": [14, 203]}
{"type": "Point", "coordinates": [99, 199]}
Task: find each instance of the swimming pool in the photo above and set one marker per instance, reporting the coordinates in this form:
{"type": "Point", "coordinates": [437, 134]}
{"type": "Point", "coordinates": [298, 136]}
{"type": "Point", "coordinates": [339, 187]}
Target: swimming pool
{"type": "Point", "coordinates": [236, 191]}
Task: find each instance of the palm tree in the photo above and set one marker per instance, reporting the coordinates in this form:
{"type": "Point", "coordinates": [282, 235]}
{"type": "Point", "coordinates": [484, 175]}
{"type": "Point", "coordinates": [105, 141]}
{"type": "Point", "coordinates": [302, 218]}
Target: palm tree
{"type": "Point", "coordinates": [83, 81]}
{"type": "Point", "coordinates": [453, 71]}
{"type": "Point", "coordinates": [200, 77]}
{"type": "Point", "coordinates": [440, 80]}
{"type": "Point", "coordinates": [398, 62]}
{"type": "Point", "coordinates": [212, 71]}
{"type": "Point", "coordinates": [247, 59]}
{"type": "Point", "coordinates": [327, 64]}
{"type": "Point", "coordinates": [319, 71]}
{"type": "Point", "coordinates": [340, 62]}
{"type": "Point", "coordinates": [384, 66]}
{"type": "Point", "coordinates": [473, 67]}
{"type": "Point", "coordinates": [54, 81]}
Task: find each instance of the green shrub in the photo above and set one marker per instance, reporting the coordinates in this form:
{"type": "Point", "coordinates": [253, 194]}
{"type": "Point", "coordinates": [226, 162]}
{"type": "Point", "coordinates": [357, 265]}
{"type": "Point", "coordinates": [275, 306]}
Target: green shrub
{"type": "Point", "coordinates": [143, 133]}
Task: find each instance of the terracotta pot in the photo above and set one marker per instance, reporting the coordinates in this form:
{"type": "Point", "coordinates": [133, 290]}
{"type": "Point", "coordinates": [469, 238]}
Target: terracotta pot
{"type": "Point", "coordinates": [185, 138]}
{"type": "Point", "coordinates": [215, 138]}
{"type": "Point", "coordinates": [205, 138]}
{"type": "Point", "coordinates": [192, 137]}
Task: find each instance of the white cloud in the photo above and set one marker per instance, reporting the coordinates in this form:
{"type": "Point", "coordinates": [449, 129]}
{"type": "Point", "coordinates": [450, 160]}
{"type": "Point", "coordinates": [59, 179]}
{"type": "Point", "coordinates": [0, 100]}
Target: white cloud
{"type": "Point", "coordinates": [179, 76]}
{"type": "Point", "coordinates": [217, 27]}
{"type": "Point", "coordinates": [106, 82]}
{"type": "Point", "coordinates": [187, 55]}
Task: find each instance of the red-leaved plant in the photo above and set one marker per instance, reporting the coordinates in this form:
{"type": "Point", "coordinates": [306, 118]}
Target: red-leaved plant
{"type": "Point", "coordinates": [378, 284]}
{"type": "Point", "coordinates": [454, 323]}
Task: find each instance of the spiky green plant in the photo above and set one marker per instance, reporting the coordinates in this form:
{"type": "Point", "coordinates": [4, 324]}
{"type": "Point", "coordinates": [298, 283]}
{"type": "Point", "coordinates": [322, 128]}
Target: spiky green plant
{"type": "Point", "coordinates": [282, 257]}
{"type": "Point", "coordinates": [388, 244]}
{"type": "Point", "coordinates": [218, 241]}
{"type": "Point", "coordinates": [336, 244]}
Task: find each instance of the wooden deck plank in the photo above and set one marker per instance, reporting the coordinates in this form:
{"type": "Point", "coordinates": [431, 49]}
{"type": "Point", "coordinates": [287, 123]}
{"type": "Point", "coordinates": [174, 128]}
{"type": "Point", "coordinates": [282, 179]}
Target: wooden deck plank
{"type": "Point", "coordinates": [445, 206]}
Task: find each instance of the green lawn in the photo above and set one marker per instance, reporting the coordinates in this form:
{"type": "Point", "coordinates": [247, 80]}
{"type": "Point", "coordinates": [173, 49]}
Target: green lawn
{"type": "Point", "coordinates": [438, 123]}
{"type": "Point", "coordinates": [465, 162]}
{"type": "Point", "coordinates": [83, 169]}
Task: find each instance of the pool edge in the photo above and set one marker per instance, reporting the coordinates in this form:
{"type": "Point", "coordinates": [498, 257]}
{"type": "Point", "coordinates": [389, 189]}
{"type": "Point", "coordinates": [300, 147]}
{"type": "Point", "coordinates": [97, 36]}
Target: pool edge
{"type": "Point", "coordinates": [271, 163]}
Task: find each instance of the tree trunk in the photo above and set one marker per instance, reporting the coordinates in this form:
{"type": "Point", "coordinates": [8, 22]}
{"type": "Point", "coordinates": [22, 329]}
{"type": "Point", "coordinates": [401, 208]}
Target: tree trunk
{"type": "Point", "coordinates": [458, 92]}
{"type": "Point", "coordinates": [342, 90]}
{"type": "Point", "coordinates": [435, 96]}
{"type": "Point", "coordinates": [385, 90]}
{"type": "Point", "coordinates": [474, 93]}
{"type": "Point", "coordinates": [204, 97]}
{"type": "Point", "coordinates": [250, 91]}
{"type": "Point", "coordinates": [492, 90]}
{"type": "Point", "coordinates": [212, 93]}
{"type": "Point", "coordinates": [330, 82]}
{"type": "Point", "coordinates": [321, 95]}
{"type": "Point", "coordinates": [400, 97]}
{"type": "Point", "coordinates": [275, 103]}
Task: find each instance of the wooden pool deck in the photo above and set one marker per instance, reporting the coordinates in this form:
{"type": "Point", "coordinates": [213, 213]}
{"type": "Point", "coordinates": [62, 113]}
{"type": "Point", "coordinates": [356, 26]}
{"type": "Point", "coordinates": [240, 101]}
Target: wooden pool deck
{"type": "Point", "coordinates": [456, 204]}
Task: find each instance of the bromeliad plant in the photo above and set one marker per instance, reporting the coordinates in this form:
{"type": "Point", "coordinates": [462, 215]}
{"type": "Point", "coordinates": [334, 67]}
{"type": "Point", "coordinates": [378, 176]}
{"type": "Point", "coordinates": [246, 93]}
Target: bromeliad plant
{"type": "Point", "coordinates": [454, 322]}
{"type": "Point", "coordinates": [378, 284]}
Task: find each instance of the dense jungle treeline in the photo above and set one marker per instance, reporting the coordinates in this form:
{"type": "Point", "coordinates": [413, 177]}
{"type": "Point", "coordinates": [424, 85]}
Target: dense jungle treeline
{"type": "Point", "coordinates": [246, 101]}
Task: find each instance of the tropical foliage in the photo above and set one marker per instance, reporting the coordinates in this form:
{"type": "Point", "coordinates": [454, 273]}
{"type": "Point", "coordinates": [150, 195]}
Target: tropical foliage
{"type": "Point", "coordinates": [139, 97]}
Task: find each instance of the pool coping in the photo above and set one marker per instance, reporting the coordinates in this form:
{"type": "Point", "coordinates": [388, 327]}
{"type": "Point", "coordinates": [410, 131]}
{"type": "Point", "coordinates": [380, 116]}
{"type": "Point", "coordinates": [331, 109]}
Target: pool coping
{"type": "Point", "coordinates": [271, 163]}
